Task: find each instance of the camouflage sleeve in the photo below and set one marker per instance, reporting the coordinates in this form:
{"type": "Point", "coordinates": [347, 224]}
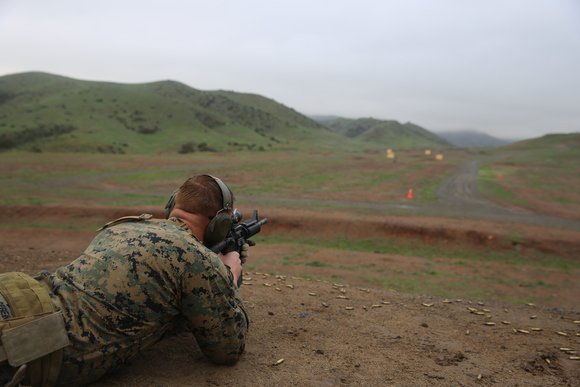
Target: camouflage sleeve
{"type": "Point", "coordinates": [216, 315]}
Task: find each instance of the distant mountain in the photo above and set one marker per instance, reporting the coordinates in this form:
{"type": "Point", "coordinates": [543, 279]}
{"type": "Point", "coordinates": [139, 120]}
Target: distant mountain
{"type": "Point", "coordinates": [45, 112]}
{"type": "Point", "coordinates": [472, 139]}
{"type": "Point", "coordinates": [389, 133]}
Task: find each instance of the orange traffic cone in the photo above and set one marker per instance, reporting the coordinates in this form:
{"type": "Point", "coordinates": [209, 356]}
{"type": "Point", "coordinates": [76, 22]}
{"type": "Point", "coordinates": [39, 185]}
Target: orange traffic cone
{"type": "Point", "coordinates": [410, 194]}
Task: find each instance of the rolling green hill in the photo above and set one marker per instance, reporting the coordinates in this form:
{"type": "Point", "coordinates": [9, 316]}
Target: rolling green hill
{"type": "Point", "coordinates": [559, 152]}
{"type": "Point", "coordinates": [390, 133]}
{"type": "Point", "coordinates": [44, 112]}
{"type": "Point", "coordinates": [551, 142]}
{"type": "Point", "coordinates": [540, 174]}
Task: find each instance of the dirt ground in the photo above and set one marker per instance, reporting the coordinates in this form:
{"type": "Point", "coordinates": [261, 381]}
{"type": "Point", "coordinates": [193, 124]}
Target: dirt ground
{"type": "Point", "coordinates": [313, 333]}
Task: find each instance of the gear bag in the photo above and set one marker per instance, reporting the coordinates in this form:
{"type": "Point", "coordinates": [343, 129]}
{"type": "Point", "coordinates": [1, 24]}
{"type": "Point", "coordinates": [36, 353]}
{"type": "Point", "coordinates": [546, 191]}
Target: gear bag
{"type": "Point", "coordinates": [36, 335]}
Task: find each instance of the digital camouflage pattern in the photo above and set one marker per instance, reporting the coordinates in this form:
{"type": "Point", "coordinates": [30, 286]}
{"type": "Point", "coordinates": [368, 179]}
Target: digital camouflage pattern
{"type": "Point", "coordinates": [136, 281]}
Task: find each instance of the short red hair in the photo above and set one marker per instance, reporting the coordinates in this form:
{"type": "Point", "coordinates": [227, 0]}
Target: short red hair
{"type": "Point", "coordinates": [201, 195]}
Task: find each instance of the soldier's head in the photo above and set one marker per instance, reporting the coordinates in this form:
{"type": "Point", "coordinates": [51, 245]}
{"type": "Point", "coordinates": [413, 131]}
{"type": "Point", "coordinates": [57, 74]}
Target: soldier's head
{"type": "Point", "coordinates": [206, 196]}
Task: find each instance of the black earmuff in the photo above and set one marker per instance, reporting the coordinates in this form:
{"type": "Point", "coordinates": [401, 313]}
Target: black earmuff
{"type": "Point", "coordinates": [226, 193]}
{"type": "Point", "coordinates": [219, 226]}
{"type": "Point", "coordinates": [170, 204]}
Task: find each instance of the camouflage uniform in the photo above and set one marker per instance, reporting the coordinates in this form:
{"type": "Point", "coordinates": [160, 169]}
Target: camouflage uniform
{"type": "Point", "coordinates": [134, 282]}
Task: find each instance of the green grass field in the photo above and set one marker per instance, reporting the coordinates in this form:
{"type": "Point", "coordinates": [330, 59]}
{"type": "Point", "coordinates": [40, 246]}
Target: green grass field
{"type": "Point", "coordinates": [340, 179]}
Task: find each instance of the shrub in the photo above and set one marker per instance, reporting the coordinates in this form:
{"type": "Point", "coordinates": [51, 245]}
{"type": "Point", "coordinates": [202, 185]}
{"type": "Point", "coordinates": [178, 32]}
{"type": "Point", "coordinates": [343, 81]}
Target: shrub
{"type": "Point", "coordinates": [15, 139]}
{"type": "Point", "coordinates": [188, 147]}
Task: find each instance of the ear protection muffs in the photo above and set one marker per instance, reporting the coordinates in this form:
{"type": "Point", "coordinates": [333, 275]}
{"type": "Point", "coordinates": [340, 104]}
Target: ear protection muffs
{"type": "Point", "coordinates": [170, 204]}
{"type": "Point", "coordinates": [220, 224]}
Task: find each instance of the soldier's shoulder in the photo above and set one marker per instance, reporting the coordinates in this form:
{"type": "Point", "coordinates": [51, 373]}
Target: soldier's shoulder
{"type": "Point", "coordinates": [126, 219]}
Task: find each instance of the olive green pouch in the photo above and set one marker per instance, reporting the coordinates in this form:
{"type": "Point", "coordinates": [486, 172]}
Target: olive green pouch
{"type": "Point", "coordinates": [34, 339]}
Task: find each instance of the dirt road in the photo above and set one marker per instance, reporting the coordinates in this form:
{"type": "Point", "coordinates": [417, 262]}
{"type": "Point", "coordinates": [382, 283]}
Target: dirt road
{"type": "Point", "coordinates": [458, 194]}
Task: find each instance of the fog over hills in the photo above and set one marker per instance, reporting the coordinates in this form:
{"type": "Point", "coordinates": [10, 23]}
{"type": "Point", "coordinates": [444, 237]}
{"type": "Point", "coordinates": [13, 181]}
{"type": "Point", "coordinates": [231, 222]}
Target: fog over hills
{"type": "Point", "coordinates": [473, 139]}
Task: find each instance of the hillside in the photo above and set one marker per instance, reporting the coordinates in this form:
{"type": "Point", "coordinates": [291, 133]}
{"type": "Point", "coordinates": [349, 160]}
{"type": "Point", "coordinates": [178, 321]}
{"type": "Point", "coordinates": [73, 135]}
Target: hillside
{"type": "Point", "coordinates": [541, 175]}
{"type": "Point", "coordinates": [472, 139]}
{"type": "Point", "coordinates": [550, 142]}
{"type": "Point", "coordinates": [389, 133]}
{"type": "Point", "coordinates": [44, 112]}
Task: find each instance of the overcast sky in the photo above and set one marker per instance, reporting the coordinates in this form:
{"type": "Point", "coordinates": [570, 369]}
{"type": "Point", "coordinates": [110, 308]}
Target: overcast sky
{"type": "Point", "coordinates": [510, 68]}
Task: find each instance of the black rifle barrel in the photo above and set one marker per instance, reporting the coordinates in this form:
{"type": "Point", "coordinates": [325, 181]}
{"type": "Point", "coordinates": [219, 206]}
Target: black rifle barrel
{"type": "Point", "coordinates": [243, 230]}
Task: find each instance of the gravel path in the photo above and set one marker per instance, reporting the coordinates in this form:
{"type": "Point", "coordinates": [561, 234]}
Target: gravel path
{"type": "Point", "coordinates": [458, 194]}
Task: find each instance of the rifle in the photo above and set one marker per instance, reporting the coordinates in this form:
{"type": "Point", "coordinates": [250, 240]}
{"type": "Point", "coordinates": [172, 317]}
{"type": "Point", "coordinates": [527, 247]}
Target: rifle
{"type": "Point", "coordinates": [240, 233]}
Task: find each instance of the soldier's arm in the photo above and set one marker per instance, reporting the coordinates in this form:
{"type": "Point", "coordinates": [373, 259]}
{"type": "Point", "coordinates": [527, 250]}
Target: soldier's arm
{"type": "Point", "coordinates": [214, 310]}
{"type": "Point", "coordinates": [232, 260]}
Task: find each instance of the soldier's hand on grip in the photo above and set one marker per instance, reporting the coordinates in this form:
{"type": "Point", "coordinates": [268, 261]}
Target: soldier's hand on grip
{"type": "Point", "coordinates": [245, 250]}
